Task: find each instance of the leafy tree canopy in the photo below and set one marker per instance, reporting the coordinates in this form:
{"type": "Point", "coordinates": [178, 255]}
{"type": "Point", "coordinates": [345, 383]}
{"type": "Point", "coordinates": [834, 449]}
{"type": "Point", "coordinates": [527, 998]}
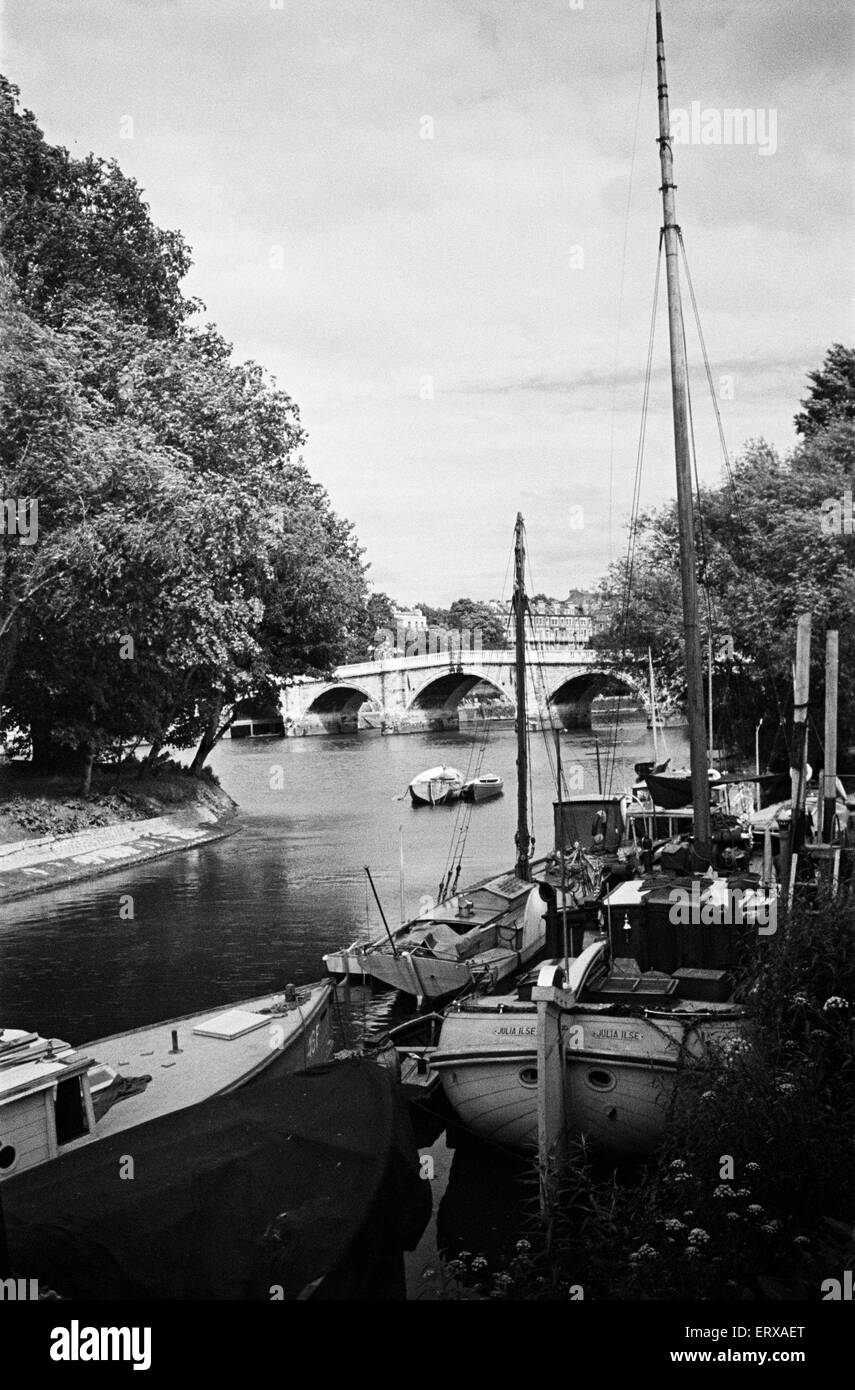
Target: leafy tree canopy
{"type": "Point", "coordinates": [832, 393]}
{"type": "Point", "coordinates": [771, 545]}
{"type": "Point", "coordinates": [182, 558]}
{"type": "Point", "coordinates": [473, 616]}
{"type": "Point", "coordinates": [76, 231]}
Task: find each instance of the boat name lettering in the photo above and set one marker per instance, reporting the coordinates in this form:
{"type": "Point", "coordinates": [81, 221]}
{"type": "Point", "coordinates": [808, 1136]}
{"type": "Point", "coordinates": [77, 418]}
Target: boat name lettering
{"type": "Point", "coordinates": [512, 1030]}
{"type": "Point", "coordinates": [622, 1034]}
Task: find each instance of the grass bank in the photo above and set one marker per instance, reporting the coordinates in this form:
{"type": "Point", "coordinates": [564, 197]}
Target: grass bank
{"type": "Point", "coordinates": [35, 804]}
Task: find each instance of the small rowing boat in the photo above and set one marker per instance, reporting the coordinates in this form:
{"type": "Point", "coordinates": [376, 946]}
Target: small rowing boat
{"type": "Point", "coordinates": [436, 786]}
{"type": "Point", "coordinates": [482, 788]}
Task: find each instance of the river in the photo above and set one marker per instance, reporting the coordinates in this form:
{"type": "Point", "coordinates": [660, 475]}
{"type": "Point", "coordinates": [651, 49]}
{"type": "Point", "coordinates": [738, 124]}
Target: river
{"type": "Point", "coordinates": [249, 913]}
{"type": "Point", "coordinates": [252, 912]}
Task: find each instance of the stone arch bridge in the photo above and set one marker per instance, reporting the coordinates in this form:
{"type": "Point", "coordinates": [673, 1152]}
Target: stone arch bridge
{"type": "Point", "coordinates": [404, 694]}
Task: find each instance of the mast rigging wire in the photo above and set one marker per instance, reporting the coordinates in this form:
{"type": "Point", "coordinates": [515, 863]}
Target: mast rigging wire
{"type": "Point", "coordinates": [611, 747]}
{"type": "Point", "coordinates": [623, 267]}
{"type": "Point", "coordinates": [731, 480]}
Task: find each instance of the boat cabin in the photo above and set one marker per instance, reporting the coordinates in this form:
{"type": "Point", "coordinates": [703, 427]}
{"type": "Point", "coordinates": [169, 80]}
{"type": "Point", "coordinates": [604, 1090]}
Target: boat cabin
{"type": "Point", "coordinates": [45, 1099]}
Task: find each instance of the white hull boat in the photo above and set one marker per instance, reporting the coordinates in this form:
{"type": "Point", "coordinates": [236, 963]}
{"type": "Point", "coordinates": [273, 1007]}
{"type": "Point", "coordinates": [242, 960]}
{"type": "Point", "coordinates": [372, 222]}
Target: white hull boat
{"type": "Point", "coordinates": [620, 1068]}
{"type": "Point", "coordinates": [54, 1098]}
{"type": "Point", "coordinates": [436, 786]}
{"type": "Point", "coordinates": [650, 990]}
{"type": "Point", "coordinates": [482, 788]}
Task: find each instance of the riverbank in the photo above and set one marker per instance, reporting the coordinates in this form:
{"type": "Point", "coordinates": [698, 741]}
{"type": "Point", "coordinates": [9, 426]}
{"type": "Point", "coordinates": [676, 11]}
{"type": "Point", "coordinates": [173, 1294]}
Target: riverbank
{"type": "Point", "coordinates": [51, 837]}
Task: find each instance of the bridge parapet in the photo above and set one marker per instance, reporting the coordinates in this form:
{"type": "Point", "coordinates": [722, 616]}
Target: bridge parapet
{"type": "Point", "coordinates": [452, 656]}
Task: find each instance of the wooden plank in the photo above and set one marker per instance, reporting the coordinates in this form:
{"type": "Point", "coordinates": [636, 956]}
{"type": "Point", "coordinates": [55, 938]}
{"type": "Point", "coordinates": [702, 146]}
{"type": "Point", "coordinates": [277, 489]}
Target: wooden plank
{"type": "Point", "coordinates": [31, 1126]}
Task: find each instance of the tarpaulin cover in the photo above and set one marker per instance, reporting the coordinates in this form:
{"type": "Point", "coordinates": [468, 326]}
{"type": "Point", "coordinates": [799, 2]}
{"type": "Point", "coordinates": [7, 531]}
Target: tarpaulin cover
{"type": "Point", "coordinates": [280, 1184]}
{"type": "Point", "coordinates": [672, 793]}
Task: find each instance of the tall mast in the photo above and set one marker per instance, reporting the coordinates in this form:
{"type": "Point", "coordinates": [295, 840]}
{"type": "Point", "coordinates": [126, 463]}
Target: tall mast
{"type": "Point", "coordinates": [679, 392]}
{"type": "Point", "coordinates": [523, 837]}
{"type": "Point", "coordinates": [653, 705]}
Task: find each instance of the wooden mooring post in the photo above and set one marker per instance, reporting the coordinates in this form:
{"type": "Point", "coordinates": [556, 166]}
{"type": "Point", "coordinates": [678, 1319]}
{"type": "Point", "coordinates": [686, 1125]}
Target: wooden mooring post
{"type": "Point", "coordinates": [552, 1145]}
{"type": "Point", "coordinates": [798, 768]}
{"type": "Point", "coordinates": [826, 813]}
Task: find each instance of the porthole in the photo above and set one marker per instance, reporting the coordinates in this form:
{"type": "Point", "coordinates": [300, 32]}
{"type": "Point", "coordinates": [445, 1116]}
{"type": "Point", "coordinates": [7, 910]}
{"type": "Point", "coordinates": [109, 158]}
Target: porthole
{"type": "Point", "coordinates": [528, 1076]}
{"type": "Point", "coordinates": [8, 1156]}
{"type": "Point", "coordinates": [601, 1080]}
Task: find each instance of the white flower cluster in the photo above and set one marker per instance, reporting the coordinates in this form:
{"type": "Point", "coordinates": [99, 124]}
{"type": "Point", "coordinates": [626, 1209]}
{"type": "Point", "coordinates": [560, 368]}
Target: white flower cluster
{"type": "Point", "coordinates": [834, 1002]}
{"type": "Point", "coordinates": [644, 1252]}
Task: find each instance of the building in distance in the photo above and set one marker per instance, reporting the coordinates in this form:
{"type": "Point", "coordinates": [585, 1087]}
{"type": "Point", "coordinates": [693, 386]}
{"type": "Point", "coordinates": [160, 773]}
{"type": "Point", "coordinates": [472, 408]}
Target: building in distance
{"type": "Point", "coordinates": [570, 622]}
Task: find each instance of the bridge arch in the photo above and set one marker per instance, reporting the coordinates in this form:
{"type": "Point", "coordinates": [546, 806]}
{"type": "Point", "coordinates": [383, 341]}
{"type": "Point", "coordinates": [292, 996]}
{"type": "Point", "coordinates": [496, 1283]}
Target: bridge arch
{"type": "Point", "coordinates": [441, 694]}
{"type": "Point", "coordinates": [573, 698]}
{"type": "Point", "coordinates": [337, 708]}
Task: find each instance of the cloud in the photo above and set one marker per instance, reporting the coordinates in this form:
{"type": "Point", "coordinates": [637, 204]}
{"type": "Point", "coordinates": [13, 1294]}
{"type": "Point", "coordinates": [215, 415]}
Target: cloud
{"type": "Point", "coordinates": [455, 258]}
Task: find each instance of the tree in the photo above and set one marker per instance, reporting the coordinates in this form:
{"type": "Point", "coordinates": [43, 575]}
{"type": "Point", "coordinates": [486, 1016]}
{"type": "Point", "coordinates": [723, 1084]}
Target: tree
{"type": "Point", "coordinates": [766, 553]}
{"type": "Point", "coordinates": [184, 558]}
{"type": "Point", "coordinates": [436, 617]}
{"type": "Point", "coordinates": [193, 560]}
{"type": "Point", "coordinates": [76, 231]}
{"type": "Point", "coordinates": [230, 423]}
{"type": "Point", "coordinates": [832, 393]}
{"type": "Point", "coordinates": [43, 463]}
{"type": "Point", "coordinates": [471, 616]}
{"type": "Point", "coordinates": [482, 622]}
{"type": "Point", "coordinates": [376, 620]}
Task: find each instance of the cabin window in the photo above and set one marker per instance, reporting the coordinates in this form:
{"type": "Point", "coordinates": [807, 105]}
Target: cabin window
{"type": "Point", "coordinates": [601, 1080]}
{"type": "Point", "coordinates": [528, 1076]}
{"type": "Point", "coordinates": [71, 1120]}
{"type": "Point", "coordinates": [8, 1155]}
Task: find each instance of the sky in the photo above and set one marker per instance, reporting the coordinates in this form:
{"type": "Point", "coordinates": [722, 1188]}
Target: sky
{"type": "Point", "coordinates": [435, 223]}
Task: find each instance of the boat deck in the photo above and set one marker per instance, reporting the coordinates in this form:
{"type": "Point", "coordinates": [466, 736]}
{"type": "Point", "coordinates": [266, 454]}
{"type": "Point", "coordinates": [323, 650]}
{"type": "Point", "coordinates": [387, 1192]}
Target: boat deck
{"type": "Point", "coordinates": [237, 1043]}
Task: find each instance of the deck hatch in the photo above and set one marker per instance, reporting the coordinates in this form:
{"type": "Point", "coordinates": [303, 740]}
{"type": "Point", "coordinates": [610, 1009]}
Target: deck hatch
{"type": "Point", "coordinates": [232, 1024]}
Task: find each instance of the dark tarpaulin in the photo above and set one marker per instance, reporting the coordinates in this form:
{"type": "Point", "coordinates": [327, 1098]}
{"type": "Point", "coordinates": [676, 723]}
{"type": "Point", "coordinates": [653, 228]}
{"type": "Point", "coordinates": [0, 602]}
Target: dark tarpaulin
{"type": "Point", "coordinates": [673, 793]}
{"type": "Point", "coordinates": [286, 1182]}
